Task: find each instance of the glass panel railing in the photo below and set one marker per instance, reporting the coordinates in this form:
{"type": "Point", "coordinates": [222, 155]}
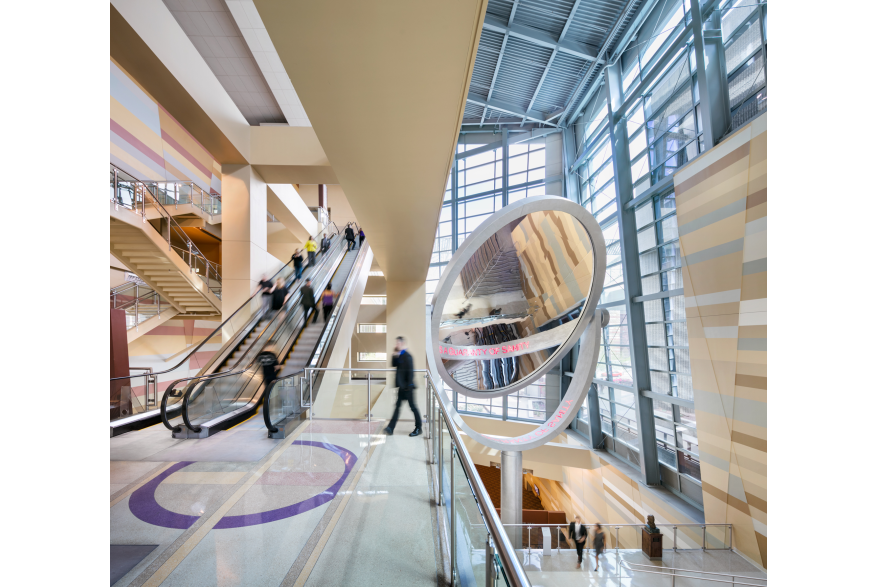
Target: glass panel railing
{"type": "Point", "coordinates": [472, 539]}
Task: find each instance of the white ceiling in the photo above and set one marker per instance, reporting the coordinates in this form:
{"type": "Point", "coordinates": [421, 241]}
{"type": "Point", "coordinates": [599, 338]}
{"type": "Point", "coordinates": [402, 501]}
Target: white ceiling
{"type": "Point", "coordinates": [250, 24]}
{"type": "Point", "coordinates": [244, 69]}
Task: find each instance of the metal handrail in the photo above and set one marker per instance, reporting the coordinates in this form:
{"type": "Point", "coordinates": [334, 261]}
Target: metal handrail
{"type": "Point", "coordinates": [227, 373]}
{"type": "Point", "coordinates": [162, 210]}
{"type": "Point", "coordinates": [627, 565]}
{"type": "Point", "coordinates": [217, 330]}
{"type": "Point", "coordinates": [344, 297]}
{"type": "Point", "coordinates": [514, 571]}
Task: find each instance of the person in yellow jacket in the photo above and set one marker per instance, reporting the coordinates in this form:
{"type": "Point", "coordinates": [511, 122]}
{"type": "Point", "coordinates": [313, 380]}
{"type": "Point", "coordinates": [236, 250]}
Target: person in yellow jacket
{"type": "Point", "coordinates": [311, 248]}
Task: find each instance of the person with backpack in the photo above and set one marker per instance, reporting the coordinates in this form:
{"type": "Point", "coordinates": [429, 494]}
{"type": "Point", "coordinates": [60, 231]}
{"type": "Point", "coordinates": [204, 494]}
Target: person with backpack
{"type": "Point", "coordinates": [328, 301]}
{"type": "Point", "coordinates": [351, 239]}
{"type": "Point", "coordinates": [270, 364]}
{"type": "Point", "coordinates": [307, 300]}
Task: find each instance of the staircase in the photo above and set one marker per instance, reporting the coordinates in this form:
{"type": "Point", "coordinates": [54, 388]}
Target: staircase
{"type": "Point", "coordinates": [184, 278]}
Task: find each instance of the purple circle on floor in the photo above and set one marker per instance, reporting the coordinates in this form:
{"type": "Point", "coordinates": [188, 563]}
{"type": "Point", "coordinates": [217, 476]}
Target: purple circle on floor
{"type": "Point", "coordinates": [144, 506]}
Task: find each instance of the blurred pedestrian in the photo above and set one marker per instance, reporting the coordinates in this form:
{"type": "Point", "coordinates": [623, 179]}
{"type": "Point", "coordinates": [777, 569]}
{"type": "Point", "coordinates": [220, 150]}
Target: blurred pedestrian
{"type": "Point", "coordinates": [311, 248]}
{"type": "Point", "coordinates": [324, 244]}
{"type": "Point", "coordinates": [404, 364]}
{"type": "Point", "coordinates": [298, 262]}
{"type": "Point", "coordinates": [599, 543]}
{"type": "Point", "coordinates": [328, 301]}
{"type": "Point", "coordinates": [270, 363]}
{"type": "Point", "coordinates": [578, 534]}
{"type": "Point", "coordinates": [307, 300]}
{"type": "Point", "coordinates": [279, 295]}
{"type": "Point", "coordinates": [351, 239]}
{"type": "Point", "coordinates": [266, 286]}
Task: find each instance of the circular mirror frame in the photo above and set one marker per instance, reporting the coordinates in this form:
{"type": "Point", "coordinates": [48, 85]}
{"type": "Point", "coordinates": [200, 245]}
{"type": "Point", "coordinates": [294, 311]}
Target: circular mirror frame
{"type": "Point", "coordinates": [473, 242]}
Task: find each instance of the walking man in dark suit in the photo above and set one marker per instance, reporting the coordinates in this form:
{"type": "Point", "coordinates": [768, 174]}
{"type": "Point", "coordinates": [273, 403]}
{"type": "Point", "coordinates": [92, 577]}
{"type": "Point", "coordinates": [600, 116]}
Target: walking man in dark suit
{"type": "Point", "coordinates": [405, 382]}
{"type": "Point", "coordinates": [578, 534]}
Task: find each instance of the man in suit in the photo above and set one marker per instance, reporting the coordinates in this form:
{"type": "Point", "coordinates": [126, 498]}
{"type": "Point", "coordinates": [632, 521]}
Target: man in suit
{"type": "Point", "coordinates": [405, 382]}
{"type": "Point", "coordinates": [578, 534]}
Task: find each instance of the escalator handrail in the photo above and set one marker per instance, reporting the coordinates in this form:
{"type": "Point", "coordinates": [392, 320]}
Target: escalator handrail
{"type": "Point", "coordinates": [226, 373]}
{"type": "Point", "coordinates": [339, 308]}
{"type": "Point", "coordinates": [265, 402]}
{"type": "Point", "coordinates": [217, 330]}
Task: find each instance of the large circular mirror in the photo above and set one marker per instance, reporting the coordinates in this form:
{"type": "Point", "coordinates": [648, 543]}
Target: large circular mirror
{"type": "Point", "coordinates": [510, 302]}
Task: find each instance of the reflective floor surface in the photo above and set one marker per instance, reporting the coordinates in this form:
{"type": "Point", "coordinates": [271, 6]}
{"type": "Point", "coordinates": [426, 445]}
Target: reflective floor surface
{"type": "Point", "coordinates": [333, 504]}
{"type": "Point", "coordinates": [559, 569]}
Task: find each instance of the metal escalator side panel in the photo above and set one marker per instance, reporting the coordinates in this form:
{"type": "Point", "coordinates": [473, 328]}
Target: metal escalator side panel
{"type": "Point", "coordinates": [275, 419]}
{"type": "Point", "coordinates": [238, 393]}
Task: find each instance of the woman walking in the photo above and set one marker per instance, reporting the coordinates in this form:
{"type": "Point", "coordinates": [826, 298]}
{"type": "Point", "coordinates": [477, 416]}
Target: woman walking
{"type": "Point", "coordinates": [328, 301]}
{"type": "Point", "coordinates": [599, 544]}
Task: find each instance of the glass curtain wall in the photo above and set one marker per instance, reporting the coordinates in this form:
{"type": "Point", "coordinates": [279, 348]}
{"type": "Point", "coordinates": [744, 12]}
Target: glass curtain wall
{"type": "Point", "coordinates": [613, 375]}
{"type": "Point", "coordinates": [473, 193]}
{"type": "Point", "coordinates": [744, 32]}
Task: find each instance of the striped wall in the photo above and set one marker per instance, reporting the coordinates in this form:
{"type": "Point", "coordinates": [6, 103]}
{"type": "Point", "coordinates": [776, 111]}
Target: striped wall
{"type": "Point", "coordinates": [721, 201]}
{"type": "Point", "coordinates": [149, 143]}
{"type": "Point", "coordinates": [164, 346]}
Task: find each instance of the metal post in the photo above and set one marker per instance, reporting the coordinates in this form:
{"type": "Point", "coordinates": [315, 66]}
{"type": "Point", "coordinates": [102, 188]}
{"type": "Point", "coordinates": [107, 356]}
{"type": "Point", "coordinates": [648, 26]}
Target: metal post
{"type": "Point", "coordinates": [488, 561]}
{"type": "Point", "coordinates": [511, 488]}
{"type": "Point", "coordinates": [712, 78]}
{"type": "Point", "coordinates": [505, 167]}
{"type": "Point", "coordinates": [311, 395]}
{"type": "Point", "coordinates": [616, 539]}
{"type": "Point", "coordinates": [191, 260]}
{"type": "Point", "coordinates": [368, 407]}
{"type": "Point", "coordinates": [674, 538]}
{"type": "Point", "coordinates": [453, 522]}
{"type": "Point", "coordinates": [441, 443]}
{"type": "Point", "coordinates": [645, 416]}
{"type": "Point", "coordinates": [116, 187]}
{"type": "Point", "coordinates": [529, 544]}
{"type": "Point", "coordinates": [730, 537]}
{"type": "Point", "coordinates": [704, 538]}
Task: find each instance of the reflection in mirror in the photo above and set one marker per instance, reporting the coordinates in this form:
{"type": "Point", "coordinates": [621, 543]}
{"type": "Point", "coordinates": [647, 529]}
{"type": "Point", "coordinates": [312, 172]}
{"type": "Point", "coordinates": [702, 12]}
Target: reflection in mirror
{"type": "Point", "coordinates": [516, 300]}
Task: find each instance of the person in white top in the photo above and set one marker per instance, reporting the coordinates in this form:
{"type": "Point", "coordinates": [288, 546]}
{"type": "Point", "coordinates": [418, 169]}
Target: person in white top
{"type": "Point", "coordinates": [578, 534]}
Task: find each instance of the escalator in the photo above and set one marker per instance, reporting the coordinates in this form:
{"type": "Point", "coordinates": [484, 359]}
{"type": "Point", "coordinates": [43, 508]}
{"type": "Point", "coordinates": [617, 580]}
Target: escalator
{"type": "Point", "coordinates": [231, 389]}
{"type": "Point", "coordinates": [143, 405]}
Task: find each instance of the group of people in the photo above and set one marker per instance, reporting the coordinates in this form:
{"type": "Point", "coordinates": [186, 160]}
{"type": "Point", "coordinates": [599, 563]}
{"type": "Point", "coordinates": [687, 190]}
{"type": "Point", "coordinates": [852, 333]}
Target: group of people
{"type": "Point", "coordinates": [298, 260]}
{"type": "Point", "coordinates": [578, 534]}
{"type": "Point", "coordinates": [309, 302]}
{"type": "Point", "coordinates": [350, 235]}
{"type": "Point", "coordinates": [274, 295]}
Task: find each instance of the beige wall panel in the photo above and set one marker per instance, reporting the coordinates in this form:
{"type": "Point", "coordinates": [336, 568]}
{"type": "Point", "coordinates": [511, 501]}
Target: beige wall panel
{"type": "Point", "coordinates": [756, 212]}
{"type": "Point", "coordinates": [718, 310]}
{"type": "Point", "coordinates": [715, 275]}
{"type": "Point", "coordinates": [717, 233]}
{"type": "Point", "coordinates": [733, 180]}
{"type": "Point", "coordinates": [754, 286]}
{"type": "Point", "coordinates": [757, 369]}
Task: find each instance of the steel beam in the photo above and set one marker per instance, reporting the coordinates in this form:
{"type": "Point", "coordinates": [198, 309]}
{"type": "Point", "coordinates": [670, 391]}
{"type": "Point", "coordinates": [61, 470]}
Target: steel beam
{"type": "Point", "coordinates": [510, 108]}
{"type": "Point", "coordinates": [712, 77]}
{"type": "Point", "coordinates": [495, 73]}
{"type": "Point", "coordinates": [541, 38]}
{"type": "Point", "coordinates": [599, 61]}
{"type": "Point", "coordinates": [645, 416]}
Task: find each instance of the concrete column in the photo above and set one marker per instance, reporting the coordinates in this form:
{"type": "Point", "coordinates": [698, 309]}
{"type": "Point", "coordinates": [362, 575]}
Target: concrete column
{"type": "Point", "coordinates": [511, 487]}
{"type": "Point", "coordinates": [244, 235]}
{"type": "Point", "coordinates": [554, 164]}
{"type": "Point", "coordinates": [406, 316]}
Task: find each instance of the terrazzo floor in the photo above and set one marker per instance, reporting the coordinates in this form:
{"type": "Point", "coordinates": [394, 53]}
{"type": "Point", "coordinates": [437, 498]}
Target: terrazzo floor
{"type": "Point", "coordinates": [332, 504]}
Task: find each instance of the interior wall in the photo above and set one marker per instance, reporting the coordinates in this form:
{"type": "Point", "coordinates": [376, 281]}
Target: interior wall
{"type": "Point", "coordinates": [149, 143]}
{"type": "Point", "coordinates": [164, 346]}
{"type": "Point", "coordinates": [339, 208]}
{"type": "Point", "coordinates": [721, 203]}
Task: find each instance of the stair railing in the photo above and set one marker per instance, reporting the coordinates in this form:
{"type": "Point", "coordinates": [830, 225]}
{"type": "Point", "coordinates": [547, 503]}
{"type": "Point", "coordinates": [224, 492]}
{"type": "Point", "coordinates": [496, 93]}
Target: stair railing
{"type": "Point", "coordinates": [136, 195]}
